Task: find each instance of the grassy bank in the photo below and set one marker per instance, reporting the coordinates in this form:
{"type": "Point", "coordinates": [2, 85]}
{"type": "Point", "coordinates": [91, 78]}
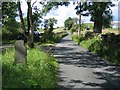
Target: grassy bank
{"type": "Point", "coordinates": [40, 71]}
{"type": "Point", "coordinates": [107, 47]}
{"type": "Point", "coordinates": [55, 38]}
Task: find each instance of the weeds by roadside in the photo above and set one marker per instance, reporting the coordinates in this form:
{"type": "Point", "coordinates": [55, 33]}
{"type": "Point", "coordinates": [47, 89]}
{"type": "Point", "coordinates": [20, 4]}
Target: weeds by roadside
{"type": "Point", "coordinates": [40, 71]}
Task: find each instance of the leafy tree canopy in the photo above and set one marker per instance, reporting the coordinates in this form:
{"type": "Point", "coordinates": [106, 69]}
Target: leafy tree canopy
{"type": "Point", "coordinates": [49, 23]}
{"type": "Point", "coordinates": [9, 13]}
{"type": "Point", "coordinates": [47, 6]}
{"type": "Point", "coordinates": [68, 23]}
{"type": "Point", "coordinates": [100, 12]}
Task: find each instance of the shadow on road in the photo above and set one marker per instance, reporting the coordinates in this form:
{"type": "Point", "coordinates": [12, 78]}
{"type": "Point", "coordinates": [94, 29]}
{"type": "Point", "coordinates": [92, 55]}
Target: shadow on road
{"type": "Point", "coordinates": [105, 70]}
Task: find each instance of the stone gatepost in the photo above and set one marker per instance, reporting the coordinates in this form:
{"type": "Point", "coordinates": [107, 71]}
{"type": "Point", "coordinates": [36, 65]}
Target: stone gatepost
{"type": "Point", "coordinates": [20, 55]}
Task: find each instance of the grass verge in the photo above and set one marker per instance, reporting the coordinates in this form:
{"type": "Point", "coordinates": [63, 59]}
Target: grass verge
{"type": "Point", "coordinates": [40, 71]}
{"type": "Point", "coordinates": [107, 48]}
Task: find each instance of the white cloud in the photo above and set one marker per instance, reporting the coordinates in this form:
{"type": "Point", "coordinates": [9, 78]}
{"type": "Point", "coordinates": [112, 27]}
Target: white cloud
{"type": "Point", "coordinates": [24, 7]}
{"type": "Point", "coordinates": [115, 11]}
{"type": "Point", "coordinates": [62, 13]}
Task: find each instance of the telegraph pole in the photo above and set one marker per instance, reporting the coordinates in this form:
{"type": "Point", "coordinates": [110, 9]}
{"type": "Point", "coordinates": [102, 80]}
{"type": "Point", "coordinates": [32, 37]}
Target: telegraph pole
{"type": "Point", "coordinates": [79, 30]}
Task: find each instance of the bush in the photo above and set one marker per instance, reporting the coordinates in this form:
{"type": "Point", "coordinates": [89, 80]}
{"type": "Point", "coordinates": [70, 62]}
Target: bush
{"type": "Point", "coordinates": [111, 38]}
{"type": "Point", "coordinates": [59, 36]}
{"type": "Point", "coordinates": [111, 49]}
{"type": "Point", "coordinates": [11, 36]}
{"type": "Point", "coordinates": [74, 28]}
{"type": "Point", "coordinates": [77, 38]}
{"type": "Point", "coordinates": [88, 42]}
{"type": "Point", "coordinates": [88, 34]}
{"type": "Point", "coordinates": [55, 38]}
{"type": "Point", "coordinates": [40, 71]}
{"type": "Point", "coordinates": [106, 47]}
{"type": "Point", "coordinates": [96, 47]}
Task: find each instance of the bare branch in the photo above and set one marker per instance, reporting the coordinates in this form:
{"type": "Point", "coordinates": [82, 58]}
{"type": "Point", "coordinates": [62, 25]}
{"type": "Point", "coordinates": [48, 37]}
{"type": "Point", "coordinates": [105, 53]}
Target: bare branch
{"type": "Point", "coordinates": [34, 3]}
{"type": "Point", "coordinates": [21, 18]}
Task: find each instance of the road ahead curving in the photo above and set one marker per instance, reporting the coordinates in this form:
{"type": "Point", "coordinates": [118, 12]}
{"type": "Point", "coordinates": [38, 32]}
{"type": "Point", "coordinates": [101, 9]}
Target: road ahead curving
{"type": "Point", "coordinates": [79, 68]}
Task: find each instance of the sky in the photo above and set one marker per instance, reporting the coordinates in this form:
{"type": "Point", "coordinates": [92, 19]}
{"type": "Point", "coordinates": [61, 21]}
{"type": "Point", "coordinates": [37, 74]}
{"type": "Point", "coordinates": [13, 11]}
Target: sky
{"type": "Point", "coordinates": [63, 12]}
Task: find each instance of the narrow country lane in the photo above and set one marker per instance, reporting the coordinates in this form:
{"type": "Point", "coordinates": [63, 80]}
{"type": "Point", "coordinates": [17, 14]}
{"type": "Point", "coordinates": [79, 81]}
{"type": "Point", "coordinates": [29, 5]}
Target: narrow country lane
{"type": "Point", "coordinates": [79, 68]}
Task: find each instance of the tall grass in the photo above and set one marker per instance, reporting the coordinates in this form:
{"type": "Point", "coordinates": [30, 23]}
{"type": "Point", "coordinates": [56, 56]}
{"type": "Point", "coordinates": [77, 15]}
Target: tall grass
{"type": "Point", "coordinates": [40, 71]}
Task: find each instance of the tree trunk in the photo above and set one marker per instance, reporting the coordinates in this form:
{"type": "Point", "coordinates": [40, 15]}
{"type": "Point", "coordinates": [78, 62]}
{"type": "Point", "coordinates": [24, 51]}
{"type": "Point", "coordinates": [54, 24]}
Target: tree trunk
{"type": "Point", "coordinates": [28, 21]}
{"type": "Point", "coordinates": [31, 27]}
{"type": "Point", "coordinates": [30, 35]}
{"type": "Point", "coordinates": [98, 23]}
{"type": "Point", "coordinates": [97, 27]}
{"type": "Point", "coordinates": [22, 21]}
{"type": "Point", "coordinates": [21, 18]}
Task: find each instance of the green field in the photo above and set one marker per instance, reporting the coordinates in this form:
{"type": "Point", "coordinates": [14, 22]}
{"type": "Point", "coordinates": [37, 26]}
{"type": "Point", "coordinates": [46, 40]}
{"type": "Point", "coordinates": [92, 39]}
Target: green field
{"type": "Point", "coordinates": [58, 30]}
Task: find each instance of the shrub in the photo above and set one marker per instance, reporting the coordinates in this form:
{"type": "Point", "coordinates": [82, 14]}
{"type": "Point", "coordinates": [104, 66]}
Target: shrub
{"type": "Point", "coordinates": [74, 28]}
{"type": "Point", "coordinates": [96, 47]}
{"type": "Point", "coordinates": [111, 38]}
{"type": "Point", "coordinates": [58, 36]}
{"type": "Point", "coordinates": [88, 42]}
{"type": "Point", "coordinates": [106, 47]}
{"type": "Point", "coordinates": [111, 49]}
{"type": "Point", "coordinates": [88, 34]}
{"type": "Point", "coordinates": [77, 38]}
{"type": "Point", "coordinates": [55, 37]}
{"type": "Point", "coordinates": [10, 35]}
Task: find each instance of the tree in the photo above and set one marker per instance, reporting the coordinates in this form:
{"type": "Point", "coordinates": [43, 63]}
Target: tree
{"type": "Point", "coordinates": [51, 22]}
{"type": "Point", "coordinates": [69, 23]}
{"type": "Point", "coordinates": [100, 12]}
{"type": "Point", "coordinates": [0, 13]}
{"type": "Point", "coordinates": [21, 18]}
{"type": "Point", "coordinates": [48, 24]}
{"type": "Point", "coordinates": [47, 6]}
{"type": "Point", "coordinates": [9, 13]}
{"type": "Point", "coordinates": [75, 20]}
{"type": "Point", "coordinates": [33, 18]}
{"type": "Point", "coordinates": [37, 17]}
{"type": "Point", "coordinates": [30, 23]}
{"type": "Point", "coordinates": [0, 21]}
{"type": "Point", "coordinates": [79, 11]}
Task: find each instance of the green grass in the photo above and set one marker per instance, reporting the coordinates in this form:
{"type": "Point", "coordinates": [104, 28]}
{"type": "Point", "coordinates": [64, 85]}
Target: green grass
{"type": "Point", "coordinates": [111, 30]}
{"type": "Point", "coordinates": [87, 43]}
{"type": "Point", "coordinates": [58, 30]}
{"type": "Point", "coordinates": [40, 71]}
{"type": "Point", "coordinates": [77, 39]}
